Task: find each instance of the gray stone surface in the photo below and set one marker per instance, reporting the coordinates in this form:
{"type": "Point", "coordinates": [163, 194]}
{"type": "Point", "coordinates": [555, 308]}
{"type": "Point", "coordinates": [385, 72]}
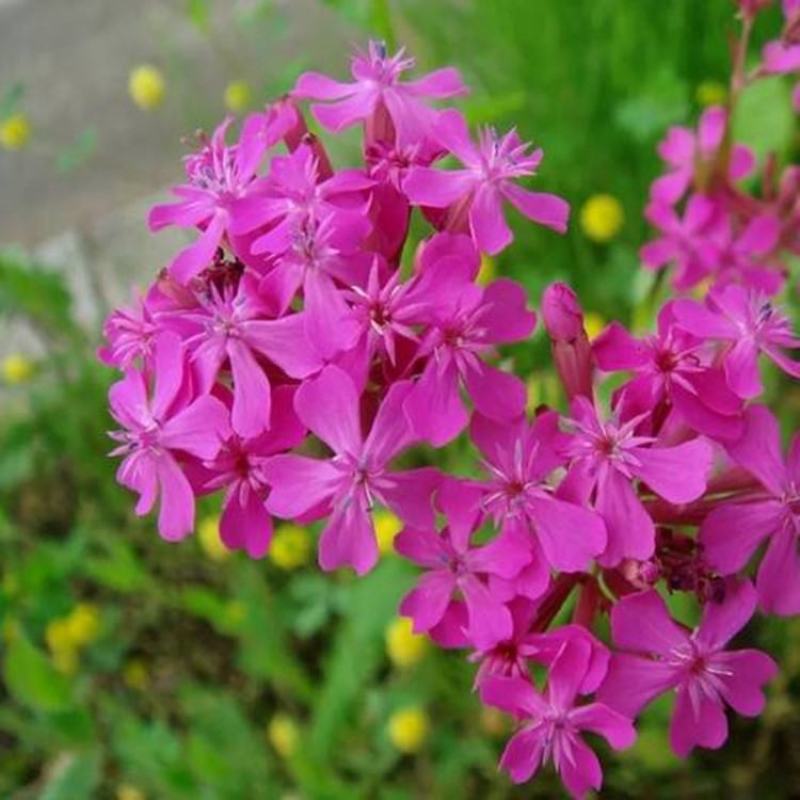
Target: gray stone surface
{"type": "Point", "coordinates": [73, 57]}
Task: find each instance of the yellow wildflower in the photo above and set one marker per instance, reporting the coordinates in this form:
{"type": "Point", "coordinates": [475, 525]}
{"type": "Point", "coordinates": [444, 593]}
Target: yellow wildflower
{"type": "Point", "coordinates": [291, 546]}
{"type": "Point", "coordinates": [15, 369]}
{"type": "Point", "coordinates": [593, 324]}
{"type": "Point", "coordinates": [136, 675]}
{"type": "Point", "coordinates": [408, 729]}
{"type": "Point", "coordinates": [283, 734]}
{"type": "Point", "coordinates": [387, 526]}
{"type": "Point", "coordinates": [127, 792]}
{"type": "Point", "coordinates": [405, 648]}
{"type": "Point", "coordinates": [83, 624]}
{"type": "Point", "coordinates": [15, 131]}
{"type": "Point", "coordinates": [238, 96]}
{"type": "Point", "coordinates": [146, 87]}
{"type": "Point", "coordinates": [711, 93]}
{"type": "Point", "coordinates": [602, 217]}
{"type": "Point", "coordinates": [488, 271]}
{"type": "Point", "coordinates": [210, 541]}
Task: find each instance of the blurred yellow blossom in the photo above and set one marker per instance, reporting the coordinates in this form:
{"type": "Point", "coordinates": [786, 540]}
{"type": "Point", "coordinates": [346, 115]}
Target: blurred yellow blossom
{"type": "Point", "coordinates": [283, 734]}
{"type": "Point", "coordinates": [593, 324]}
{"type": "Point", "coordinates": [602, 217]}
{"type": "Point", "coordinates": [127, 792]}
{"type": "Point", "coordinates": [15, 131]}
{"type": "Point", "coordinates": [387, 526]}
{"type": "Point", "coordinates": [16, 368]}
{"type": "Point", "coordinates": [146, 87]}
{"type": "Point", "coordinates": [291, 546]}
{"type": "Point", "coordinates": [494, 722]}
{"type": "Point", "coordinates": [488, 270]}
{"type": "Point", "coordinates": [408, 729]}
{"type": "Point", "coordinates": [238, 96]}
{"type": "Point", "coordinates": [711, 93]}
{"type": "Point", "coordinates": [210, 541]}
{"type": "Point", "coordinates": [405, 648]}
{"type": "Point", "coordinates": [136, 675]}
{"type": "Point", "coordinates": [66, 636]}
{"type": "Point", "coordinates": [83, 624]}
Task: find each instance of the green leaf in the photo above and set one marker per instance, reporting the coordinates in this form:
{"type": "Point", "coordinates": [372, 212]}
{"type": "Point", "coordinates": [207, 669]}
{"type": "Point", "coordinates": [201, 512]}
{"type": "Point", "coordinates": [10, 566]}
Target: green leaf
{"type": "Point", "coordinates": [764, 119]}
{"type": "Point", "coordinates": [11, 99]}
{"type": "Point", "coordinates": [73, 775]}
{"type": "Point", "coordinates": [73, 156]}
{"type": "Point", "coordinates": [32, 679]}
{"type": "Point", "coordinates": [199, 13]}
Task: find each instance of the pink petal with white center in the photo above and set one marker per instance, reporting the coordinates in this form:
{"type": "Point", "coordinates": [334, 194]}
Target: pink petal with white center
{"type": "Point", "coordinates": [284, 342]}
{"type": "Point", "coordinates": [246, 526]}
{"type": "Point", "coordinates": [348, 539]}
{"type": "Point", "coordinates": [570, 536]}
{"type": "Point", "coordinates": [615, 349]}
{"type": "Point", "coordinates": [194, 259]}
{"type": "Point", "coordinates": [489, 620]}
{"type": "Point", "coordinates": [641, 622]}
{"type": "Point", "coordinates": [758, 450]}
{"type": "Point", "coordinates": [523, 754]}
{"type": "Point", "coordinates": [436, 188]}
{"type": "Point", "coordinates": [546, 209]}
{"type": "Point", "coordinates": [731, 533]}
{"type": "Point", "coordinates": [329, 406]}
{"type": "Point", "coordinates": [567, 672]}
{"type": "Point", "coordinates": [439, 84]}
{"type": "Point", "coordinates": [426, 603]}
{"type": "Point", "coordinates": [700, 724]}
{"type": "Point", "coordinates": [298, 484]}
{"type": "Point", "coordinates": [741, 369]}
{"type": "Point", "coordinates": [513, 695]}
{"type": "Point", "coordinates": [176, 513]}
{"type": "Point", "coordinates": [496, 394]}
{"type": "Point", "coordinates": [778, 580]}
{"type": "Point", "coordinates": [198, 429]}
{"type": "Point", "coordinates": [678, 474]}
{"type": "Point", "coordinates": [434, 408]}
{"type": "Point", "coordinates": [343, 113]}
{"type": "Point", "coordinates": [506, 315]}
{"type": "Point", "coordinates": [580, 771]}
{"type": "Point", "coordinates": [633, 682]}
{"type": "Point", "coordinates": [251, 391]}
{"type": "Point", "coordinates": [614, 727]}
{"type": "Point", "coordinates": [423, 546]}
{"type": "Point", "coordinates": [409, 494]}
{"type": "Point", "coordinates": [743, 675]}
{"type": "Point", "coordinates": [487, 222]}
{"type": "Point", "coordinates": [316, 86]}
{"type": "Point", "coordinates": [701, 321]}
{"type": "Point", "coordinates": [631, 533]}
{"type": "Point", "coordinates": [723, 620]}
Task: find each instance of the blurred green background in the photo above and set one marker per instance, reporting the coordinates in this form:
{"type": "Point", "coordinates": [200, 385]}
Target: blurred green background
{"type": "Point", "coordinates": [135, 669]}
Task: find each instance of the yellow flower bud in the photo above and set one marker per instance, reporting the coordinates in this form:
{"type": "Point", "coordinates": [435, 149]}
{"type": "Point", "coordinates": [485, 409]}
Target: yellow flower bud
{"type": "Point", "coordinates": [291, 547]}
{"type": "Point", "coordinates": [16, 369]}
{"type": "Point", "coordinates": [387, 526]}
{"type": "Point", "coordinates": [127, 792]}
{"type": "Point", "coordinates": [283, 734]}
{"type": "Point", "coordinates": [238, 96]}
{"type": "Point", "coordinates": [593, 324]}
{"type": "Point", "coordinates": [136, 675]}
{"type": "Point", "coordinates": [602, 217]}
{"type": "Point", "coordinates": [405, 648]}
{"type": "Point", "coordinates": [65, 660]}
{"type": "Point", "coordinates": [83, 624]}
{"type": "Point", "coordinates": [408, 729]}
{"type": "Point", "coordinates": [15, 131]}
{"type": "Point", "coordinates": [210, 542]}
{"type": "Point", "coordinates": [711, 93]}
{"type": "Point", "coordinates": [146, 87]}
{"type": "Point", "coordinates": [488, 271]}
{"type": "Point", "coordinates": [58, 635]}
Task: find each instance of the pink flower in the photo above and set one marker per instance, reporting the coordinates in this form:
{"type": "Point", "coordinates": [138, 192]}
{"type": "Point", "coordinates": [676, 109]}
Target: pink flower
{"type": "Point", "coordinates": [662, 655]}
{"type": "Point", "coordinates": [158, 431]}
{"type": "Point", "coordinates": [552, 723]}
{"type": "Point", "coordinates": [377, 89]}
{"type": "Point", "coordinates": [520, 458]}
{"type": "Point", "coordinates": [683, 242]}
{"type": "Point", "coordinates": [606, 458]}
{"type": "Point", "coordinates": [230, 328]}
{"type": "Point", "coordinates": [751, 324]}
{"type": "Point", "coordinates": [731, 533]}
{"type": "Point", "coordinates": [475, 195]}
{"type": "Point", "coordinates": [218, 176]}
{"type": "Point", "coordinates": [358, 475]}
{"type": "Point", "coordinates": [685, 151]}
{"type": "Point", "coordinates": [672, 372]}
{"type": "Point", "coordinates": [245, 523]}
{"type": "Point", "coordinates": [455, 567]}
{"type": "Point", "coordinates": [467, 327]}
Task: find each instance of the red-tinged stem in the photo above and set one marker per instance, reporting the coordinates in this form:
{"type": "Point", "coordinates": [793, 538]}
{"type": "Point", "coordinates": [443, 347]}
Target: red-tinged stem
{"type": "Point", "coordinates": [590, 601]}
{"type": "Point", "coordinates": [553, 601]}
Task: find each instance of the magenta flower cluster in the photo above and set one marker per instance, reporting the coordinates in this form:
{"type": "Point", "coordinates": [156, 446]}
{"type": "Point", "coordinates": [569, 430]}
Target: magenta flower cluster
{"type": "Point", "coordinates": [295, 353]}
